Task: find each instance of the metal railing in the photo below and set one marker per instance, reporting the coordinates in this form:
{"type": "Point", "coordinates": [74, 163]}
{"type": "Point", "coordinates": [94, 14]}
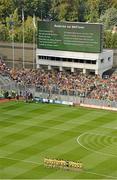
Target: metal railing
{"type": "Point", "coordinates": [55, 93]}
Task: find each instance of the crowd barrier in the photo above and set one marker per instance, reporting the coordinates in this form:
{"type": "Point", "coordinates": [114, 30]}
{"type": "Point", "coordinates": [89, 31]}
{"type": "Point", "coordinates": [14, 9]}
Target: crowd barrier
{"type": "Point", "coordinates": [52, 101]}
{"type": "Point", "coordinates": [98, 107]}
{"type": "Point", "coordinates": [42, 92]}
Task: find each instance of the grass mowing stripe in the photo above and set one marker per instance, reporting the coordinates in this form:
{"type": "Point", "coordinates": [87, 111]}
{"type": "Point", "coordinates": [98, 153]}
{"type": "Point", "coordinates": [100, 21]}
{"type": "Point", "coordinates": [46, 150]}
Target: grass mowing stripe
{"type": "Point", "coordinates": [16, 169]}
{"type": "Point", "coordinates": [50, 149]}
{"type": "Point", "coordinates": [30, 138]}
{"type": "Point", "coordinates": [35, 173]}
{"type": "Point", "coordinates": [14, 159]}
{"type": "Point", "coordinates": [41, 147]}
{"type": "Point", "coordinates": [64, 124]}
{"type": "Point", "coordinates": [61, 142]}
{"type": "Point", "coordinates": [94, 151]}
{"type": "Point", "coordinates": [110, 163]}
{"type": "Point", "coordinates": [19, 124]}
{"type": "Point", "coordinates": [15, 146]}
{"type": "Point", "coordinates": [102, 175]}
{"type": "Point", "coordinates": [20, 135]}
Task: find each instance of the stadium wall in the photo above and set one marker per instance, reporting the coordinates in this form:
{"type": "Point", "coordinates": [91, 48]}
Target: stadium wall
{"type": "Point", "coordinates": [115, 58]}
{"type": "Point", "coordinates": [7, 54]}
{"type": "Point", "coordinates": [86, 62]}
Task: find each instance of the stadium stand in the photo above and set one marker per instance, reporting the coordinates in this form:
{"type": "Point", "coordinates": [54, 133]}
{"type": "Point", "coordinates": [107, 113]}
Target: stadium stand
{"type": "Point", "coordinates": [91, 86]}
{"type": "Point", "coordinates": [65, 83]}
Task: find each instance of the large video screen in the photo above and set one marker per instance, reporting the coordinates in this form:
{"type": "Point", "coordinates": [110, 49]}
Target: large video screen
{"type": "Point", "coordinates": [70, 36]}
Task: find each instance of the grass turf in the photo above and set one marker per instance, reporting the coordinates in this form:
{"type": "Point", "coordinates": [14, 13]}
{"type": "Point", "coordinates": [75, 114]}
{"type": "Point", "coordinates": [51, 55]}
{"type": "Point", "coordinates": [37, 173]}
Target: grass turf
{"type": "Point", "coordinates": [30, 132]}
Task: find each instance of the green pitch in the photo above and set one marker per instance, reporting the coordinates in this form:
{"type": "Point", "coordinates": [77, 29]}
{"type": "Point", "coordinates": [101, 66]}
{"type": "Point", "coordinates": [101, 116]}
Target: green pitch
{"type": "Point", "coordinates": [30, 132]}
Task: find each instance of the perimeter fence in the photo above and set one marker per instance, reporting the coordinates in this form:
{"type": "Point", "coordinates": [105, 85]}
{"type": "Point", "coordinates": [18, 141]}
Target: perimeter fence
{"type": "Point", "coordinates": [56, 94]}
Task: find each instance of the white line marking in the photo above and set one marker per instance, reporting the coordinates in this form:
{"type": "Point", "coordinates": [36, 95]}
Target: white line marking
{"type": "Point", "coordinates": [88, 149]}
{"type": "Point", "coordinates": [107, 176]}
{"type": "Point", "coordinates": [32, 162]}
{"type": "Point", "coordinates": [78, 141]}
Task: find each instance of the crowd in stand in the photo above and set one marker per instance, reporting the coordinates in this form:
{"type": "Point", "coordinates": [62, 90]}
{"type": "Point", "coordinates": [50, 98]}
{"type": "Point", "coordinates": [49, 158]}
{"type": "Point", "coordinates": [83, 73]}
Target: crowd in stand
{"type": "Point", "coordinates": [105, 89]}
{"type": "Point", "coordinates": [77, 83]}
{"type": "Point", "coordinates": [3, 68]}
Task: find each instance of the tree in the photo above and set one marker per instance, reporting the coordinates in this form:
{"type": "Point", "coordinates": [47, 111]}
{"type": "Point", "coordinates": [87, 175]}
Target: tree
{"type": "Point", "coordinates": [28, 26]}
{"type": "Point", "coordinates": [67, 10]}
{"type": "Point", "coordinates": [109, 19]}
{"type": "Point", "coordinates": [114, 40]}
{"type": "Point", "coordinates": [107, 39]}
{"type": "Point", "coordinates": [6, 8]}
{"type": "Point", "coordinates": [103, 6]}
{"type": "Point", "coordinates": [3, 32]}
{"type": "Point", "coordinates": [12, 25]}
{"type": "Point", "coordinates": [92, 10]}
{"type": "Point", "coordinates": [113, 3]}
{"type": "Point", "coordinates": [75, 10]}
{"type": "Point", "coordinates": [54, 10]}
{"type": "Point", "coordinates": [110, 39]}
{"type": "Point", "coordinates": [58, 9]}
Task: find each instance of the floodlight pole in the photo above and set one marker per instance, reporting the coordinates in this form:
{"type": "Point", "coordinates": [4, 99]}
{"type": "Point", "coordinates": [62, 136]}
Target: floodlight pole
{"type": "Point", "coordinates": [23, 45]}
{"type": "Point", "coordinates": [11, 23]}
{"type": "Point", "coordinates": [13, 50]}
{"type": "Point", "coordinates": [23, 35]}
{"type": "Point", "coordinates": [34, 48]}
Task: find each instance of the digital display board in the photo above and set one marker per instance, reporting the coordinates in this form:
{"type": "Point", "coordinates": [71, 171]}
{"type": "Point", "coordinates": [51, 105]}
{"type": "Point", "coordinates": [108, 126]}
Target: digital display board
{"type": "Point", "coordinates": [70, 36]}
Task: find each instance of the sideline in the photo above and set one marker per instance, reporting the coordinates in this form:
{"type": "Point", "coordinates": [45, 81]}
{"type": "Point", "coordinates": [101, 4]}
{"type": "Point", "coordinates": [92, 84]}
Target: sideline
{"type": "Point", "coordinates": [32, 162]}
{"type": "Point", "coordinates": [107, 176]}
{"type": "Point", "coordinates": [26, 161]}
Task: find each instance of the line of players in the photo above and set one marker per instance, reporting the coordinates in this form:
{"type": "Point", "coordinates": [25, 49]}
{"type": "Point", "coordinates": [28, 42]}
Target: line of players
{"type": "Point", "coordinates": [54, 163]}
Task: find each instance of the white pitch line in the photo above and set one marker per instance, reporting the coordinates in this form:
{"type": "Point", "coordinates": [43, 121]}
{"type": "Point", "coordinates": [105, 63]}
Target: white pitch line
{"type": "Point", "coordinates": [95, 152]}
{"type": "Point", "coordinates": [107, 176]}
{"type": "Point", "coordinates": [32, 162]}
{"type": "Point", "coordinates": [88, 149]}
{"type": "Point", "coordinates": [15, 159]}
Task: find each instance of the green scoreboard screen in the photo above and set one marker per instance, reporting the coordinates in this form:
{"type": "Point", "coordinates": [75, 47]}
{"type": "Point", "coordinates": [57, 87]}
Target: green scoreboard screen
{"type": "Point", "coordinates": [69, 36]}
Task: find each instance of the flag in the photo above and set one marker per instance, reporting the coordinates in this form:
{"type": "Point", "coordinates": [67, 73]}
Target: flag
{"type": "Point", "coordinates": [34, 23]}
{"type": "Point", "coordinates": [23, 15]}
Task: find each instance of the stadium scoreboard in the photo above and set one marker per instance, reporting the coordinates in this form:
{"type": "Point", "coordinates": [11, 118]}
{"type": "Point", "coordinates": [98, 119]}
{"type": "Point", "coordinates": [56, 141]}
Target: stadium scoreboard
{"type": "Point", "coordinates": [70, 36]}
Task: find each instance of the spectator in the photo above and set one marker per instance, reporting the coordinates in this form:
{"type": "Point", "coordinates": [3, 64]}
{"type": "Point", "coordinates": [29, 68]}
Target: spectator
{"type": "Point", "coordinates": [54, 82]}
